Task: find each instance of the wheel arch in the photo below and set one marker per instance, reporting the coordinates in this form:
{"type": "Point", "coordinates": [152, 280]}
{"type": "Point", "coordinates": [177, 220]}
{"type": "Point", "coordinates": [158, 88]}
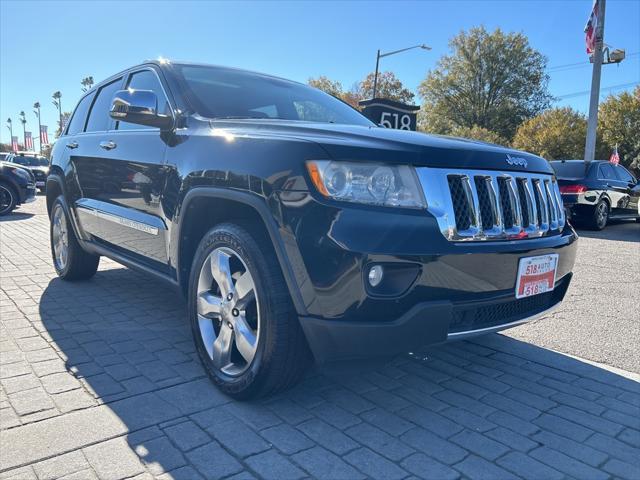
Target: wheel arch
{"type": "Point", "coordinates": [217, 205]}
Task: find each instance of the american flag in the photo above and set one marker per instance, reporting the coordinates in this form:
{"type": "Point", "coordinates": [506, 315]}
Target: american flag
{"type": "Point", "coordinates": [590, 28]}
{"type": "Point", "coordinates": [28, 141]}
{"type": "Point", "coordinates": [615, 158]}
{"type": "Point", "coordinates": [44, 136]}
{"type": "Point", "coordinates": [14, 144]}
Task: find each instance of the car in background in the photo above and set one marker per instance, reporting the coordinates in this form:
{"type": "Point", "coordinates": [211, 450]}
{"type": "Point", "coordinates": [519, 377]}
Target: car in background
{"type": "Point", "coordinates": [3, 156]}
{"type": "Point", "coordinates": [17, 186]}
{"type": "Point", "coordinates": [38, 164]}
{"type": "Point", "coordinates": [597, 192]}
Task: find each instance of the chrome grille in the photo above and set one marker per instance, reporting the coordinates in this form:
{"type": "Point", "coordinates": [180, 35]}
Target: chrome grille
{"type": "Point", "coordinates": [487, 205]}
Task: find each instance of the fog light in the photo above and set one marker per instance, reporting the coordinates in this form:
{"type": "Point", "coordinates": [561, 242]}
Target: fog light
{"type": "Point", "coordinates": [375, 275]}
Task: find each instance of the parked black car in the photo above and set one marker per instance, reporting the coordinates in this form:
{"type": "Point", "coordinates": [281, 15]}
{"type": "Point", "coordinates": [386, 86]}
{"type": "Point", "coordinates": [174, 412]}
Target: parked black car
{"type": "Point", "coordinates": [17, 186]}
{"type": "Point", "coordinates": [296, 228]}
{"type": "Point", "coordinates": [38, 165]}
{"type": "Point", "coordinates": [598, 192]}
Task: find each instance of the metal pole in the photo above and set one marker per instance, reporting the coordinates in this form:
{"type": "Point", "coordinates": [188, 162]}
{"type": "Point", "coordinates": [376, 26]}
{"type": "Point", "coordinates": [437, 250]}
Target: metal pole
{"type": "Point", "coordinates": [39, 131]}
{"type": "Point", "coordinates": [592, 124]}
{"type": "Point", "coordinates": [24, 135]}
{"type": "Point", "coordinates": [375, 76]}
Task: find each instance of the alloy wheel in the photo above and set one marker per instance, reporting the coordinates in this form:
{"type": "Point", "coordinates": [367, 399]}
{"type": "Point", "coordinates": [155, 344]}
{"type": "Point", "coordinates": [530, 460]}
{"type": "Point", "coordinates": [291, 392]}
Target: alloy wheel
{"type": "Point", "coordinates": [60, 238]}
{"type": "Point", "coordinates": [6, 199]}
{"type": "Point", "coordinates": [602, 214]}
{"type": "Point", "coordinates": [228, 311]}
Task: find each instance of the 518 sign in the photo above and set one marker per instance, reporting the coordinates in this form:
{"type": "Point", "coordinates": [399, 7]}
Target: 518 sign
{"type": "Point", "coordinates": [395, 120]}
{"type": "Point", "coordinates": [390, 114]}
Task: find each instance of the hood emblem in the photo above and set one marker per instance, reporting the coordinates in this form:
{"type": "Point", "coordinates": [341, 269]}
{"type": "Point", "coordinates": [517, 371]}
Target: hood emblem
{"type": "Point", "coordinates": [514, 161]}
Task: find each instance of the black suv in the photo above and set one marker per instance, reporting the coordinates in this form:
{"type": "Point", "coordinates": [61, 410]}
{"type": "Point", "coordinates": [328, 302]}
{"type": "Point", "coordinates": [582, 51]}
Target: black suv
{"type": "Point", "coordinates": [594, 193]}
{"type": "Point", "coordinates": [17, 186]}
{"type": "Point", "coordinates": [38, 165]}
{"type": "Point", "coordinates": [297, 229]}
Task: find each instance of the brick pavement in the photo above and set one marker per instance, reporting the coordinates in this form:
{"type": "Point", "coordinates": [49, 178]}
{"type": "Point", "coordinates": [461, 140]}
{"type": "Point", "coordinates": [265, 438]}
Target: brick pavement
{"type": "Point", "coordinates": [100, 380]}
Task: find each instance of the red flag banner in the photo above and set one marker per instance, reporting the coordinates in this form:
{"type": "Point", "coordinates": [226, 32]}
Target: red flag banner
{"type": "Point", "coordinates": [28, 141]}
{"type": "Point", "coordinates": [44, 136]}
{"type": "Point", "coordinates": [14, 144]}
{"type": "Point", "coordinates": [590, 28]}
{"type": "Point", "coordinates": [615, 158]}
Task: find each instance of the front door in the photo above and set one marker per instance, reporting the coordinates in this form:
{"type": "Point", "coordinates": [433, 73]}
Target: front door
{"type": "Point", "coordinates": [123, 176]}
{"type": "Point", "coordinates": [632, 186]}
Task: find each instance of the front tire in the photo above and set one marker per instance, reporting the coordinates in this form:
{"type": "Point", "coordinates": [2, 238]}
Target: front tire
{"type": "Point", "coordinates": [8, 199]}
{"type": "Point", "coordinates": [600, 216]}
{"type": "Point", "coordinates": [244, 325]}
{"type": "Point", "coordinates": [69, 259]}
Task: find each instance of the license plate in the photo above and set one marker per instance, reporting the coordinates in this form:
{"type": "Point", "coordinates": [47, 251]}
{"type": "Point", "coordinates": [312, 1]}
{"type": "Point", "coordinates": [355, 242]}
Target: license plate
{"type": "Point", "coordinates": [536, 275]}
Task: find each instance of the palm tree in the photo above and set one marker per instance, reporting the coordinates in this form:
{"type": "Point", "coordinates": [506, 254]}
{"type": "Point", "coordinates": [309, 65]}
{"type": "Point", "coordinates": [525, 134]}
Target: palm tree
{"type": "Point", "coordinates": [10, 127]}
{"type": "Point", "coordinates": [57, 101]}
{"type": "Point", "coordinates": [87, 83]}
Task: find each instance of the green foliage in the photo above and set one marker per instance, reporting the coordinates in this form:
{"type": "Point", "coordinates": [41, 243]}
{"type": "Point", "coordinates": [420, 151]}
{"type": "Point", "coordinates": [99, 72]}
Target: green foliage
{"type": "Point", "coordinates": [492, 80]}
{"type": "Point", "coordinates": [389, 86]}
{"type": "Point", "coordinates": [619, 123]}
{"type": "Point", "coordinates": [479, 133]}
{"type": "Point", "coordinates": [557, 133]}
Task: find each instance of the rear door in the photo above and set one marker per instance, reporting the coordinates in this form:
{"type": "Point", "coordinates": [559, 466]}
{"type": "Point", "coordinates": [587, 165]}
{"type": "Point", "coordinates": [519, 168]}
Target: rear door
{"type": "Point", "coordinates": [616, 190]}
{"type": "Point", "coordinates": [633, 190]}
{"type": "Point", "coordinates": [125, 174]}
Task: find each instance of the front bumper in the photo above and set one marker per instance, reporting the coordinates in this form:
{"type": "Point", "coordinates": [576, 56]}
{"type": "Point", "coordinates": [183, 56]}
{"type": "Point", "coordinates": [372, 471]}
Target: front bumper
{"type": "Point", "coordinates": [426, 323]}
{"type": "Point", "coordinates": [28, 194]}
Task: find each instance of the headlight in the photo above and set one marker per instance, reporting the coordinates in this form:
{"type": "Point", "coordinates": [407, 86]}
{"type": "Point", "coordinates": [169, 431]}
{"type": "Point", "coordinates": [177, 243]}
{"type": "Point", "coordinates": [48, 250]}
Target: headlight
{"type": "Point", "coordinates": [368, 183]}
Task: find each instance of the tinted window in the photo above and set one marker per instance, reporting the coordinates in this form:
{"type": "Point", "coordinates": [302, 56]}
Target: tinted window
{"type": "Point", "coordinates": [568, 169]}
{"type": "Point", "coordinates": [99, 118]}
{"type": "Point", "coordinates": [80, 115]}
{"type": "Point", "coordinates": [146, 80]}
{"type": "Point", "coordinates": [624, 175]}
{"type": "Point", "coordinates": [30, 160]}
{"type": "Point", "coordinates": [606, 171]}
{"type": "Point", "coordinates": [226, 93]}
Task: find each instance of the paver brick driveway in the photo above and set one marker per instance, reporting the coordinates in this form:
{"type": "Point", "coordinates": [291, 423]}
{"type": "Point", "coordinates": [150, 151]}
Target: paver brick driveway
{"type": "Point", "coordinates": [101, 380]}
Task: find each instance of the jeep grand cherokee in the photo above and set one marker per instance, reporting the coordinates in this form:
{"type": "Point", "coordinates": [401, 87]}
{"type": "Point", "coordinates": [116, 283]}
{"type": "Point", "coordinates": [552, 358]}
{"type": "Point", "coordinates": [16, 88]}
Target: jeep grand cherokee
{"type": "Point", "coordinates": [296, 228]}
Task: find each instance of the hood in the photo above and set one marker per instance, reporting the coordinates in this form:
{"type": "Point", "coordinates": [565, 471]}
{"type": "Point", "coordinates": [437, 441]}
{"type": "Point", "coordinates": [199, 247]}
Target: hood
{"type": "Point", "coordinates": [377, 144]}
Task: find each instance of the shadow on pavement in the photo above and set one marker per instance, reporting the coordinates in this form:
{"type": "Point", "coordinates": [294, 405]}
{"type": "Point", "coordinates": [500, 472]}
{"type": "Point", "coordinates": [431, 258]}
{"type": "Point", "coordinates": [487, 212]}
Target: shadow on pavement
{"type": "Point", "coordinates": [16, 215]}
{"type": "Point", "coordinates": [484, 407]}
{"type": "Point", "coordinates": [620, 231]}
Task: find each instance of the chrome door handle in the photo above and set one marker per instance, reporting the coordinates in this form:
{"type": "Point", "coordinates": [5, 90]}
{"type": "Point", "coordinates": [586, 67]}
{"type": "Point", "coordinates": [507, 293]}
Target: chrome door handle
{"type": "Point", "coordinates": [108, 145]}
{"type": "Point", "coordinates": [72, 145]}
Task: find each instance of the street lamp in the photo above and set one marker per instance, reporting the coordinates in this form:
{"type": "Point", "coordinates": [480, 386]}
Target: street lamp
{"type": "Point", "coordinates": [57, 101]}
{"type": "Point", "coordinates": [380, 55]}
{"type": "Point", "coordinates": [36, 106]}
{"type": "Point", "coordinates": [23, 120]}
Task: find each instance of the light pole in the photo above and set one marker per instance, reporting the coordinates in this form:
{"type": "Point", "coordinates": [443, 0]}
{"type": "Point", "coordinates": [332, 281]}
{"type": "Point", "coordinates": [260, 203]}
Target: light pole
{"type": "Point", "coordinates": [592, 122]}
{"type": "Point", "coordinates": [23, 120]}
{"type": "Point", "coordinates": [380, 55]}
{"type": "Point", "coordinates": [37, 112]}
{"type": "Point", "coordinates": [10, 127]}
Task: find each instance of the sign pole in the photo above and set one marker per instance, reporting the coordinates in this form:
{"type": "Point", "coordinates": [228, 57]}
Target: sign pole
{"type": "Point", "coordinates": [375, 76]}
{"type": "Point", "coordinates": [592, 124]}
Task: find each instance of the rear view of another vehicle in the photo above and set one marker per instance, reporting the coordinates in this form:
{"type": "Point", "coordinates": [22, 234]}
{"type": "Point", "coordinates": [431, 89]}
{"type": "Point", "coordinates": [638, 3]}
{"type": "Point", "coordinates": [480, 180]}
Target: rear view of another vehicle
{"type": "Point", "coordinates": [597, 192]}
{"type": "Point", "coordinates": [17, 186]}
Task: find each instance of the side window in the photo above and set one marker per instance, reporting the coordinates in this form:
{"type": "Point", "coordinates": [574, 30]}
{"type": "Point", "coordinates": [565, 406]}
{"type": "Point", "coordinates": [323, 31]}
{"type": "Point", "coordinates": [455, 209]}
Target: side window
{"type": "Point", "coordinates": [99, 119]}
{"type": "Point", "coordinates": [76, 124]}
{"type": "Point", "coordinates": [624, 175]}
{"type": "Point", "coordinates": [146, 80]}
{"type": "Point", "coordinates": [606, 172]}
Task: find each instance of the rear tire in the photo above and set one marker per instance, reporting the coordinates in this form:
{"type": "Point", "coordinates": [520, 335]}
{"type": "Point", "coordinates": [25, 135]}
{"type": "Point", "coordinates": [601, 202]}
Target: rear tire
{"type": "Point", "coordinates": [8, 198]}
{"type": "Point", "coordinates": [244, 324]}
{"type": "Point", "coordinates": [600, 216]}
{"type": "Point", "coordinates": [69, 259]}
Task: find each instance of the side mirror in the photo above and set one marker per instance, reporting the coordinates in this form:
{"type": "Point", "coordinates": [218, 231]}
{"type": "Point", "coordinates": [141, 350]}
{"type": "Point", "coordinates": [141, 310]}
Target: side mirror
{"type": "Point", "coordinates": [138, 106]}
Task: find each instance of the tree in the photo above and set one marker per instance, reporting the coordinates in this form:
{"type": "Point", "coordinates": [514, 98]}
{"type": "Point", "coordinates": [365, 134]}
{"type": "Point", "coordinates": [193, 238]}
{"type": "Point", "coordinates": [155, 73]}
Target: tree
{"type": "Point", "coordinates": [87, 83]}
{"type": "Point", "coordinates": [492, 80]}
{"type": "Point", "coordinates": [619, 119]}
{"type": "Point", "coordinates": [479, 133]}
{"type": "Point", "coordinates": [64, 118]}
{"type": "Point", "coordinates": [389, 86]}
{"type": "Point", "coordinates": [556, 134]}
{"type": "Point", "coordinates": [332, 87]}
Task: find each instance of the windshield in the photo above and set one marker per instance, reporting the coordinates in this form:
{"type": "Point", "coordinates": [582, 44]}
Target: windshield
{"type": "Point", "coordinates": [217, 92]}
{"type": "Point", "coordinates": [568, 169]}
{"type": "Point", "coordinates": [29, 161]}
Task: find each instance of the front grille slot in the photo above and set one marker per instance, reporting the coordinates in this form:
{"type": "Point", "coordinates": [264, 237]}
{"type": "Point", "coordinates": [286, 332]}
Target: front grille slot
{"type": "Point", "coordinates": [489, 205]}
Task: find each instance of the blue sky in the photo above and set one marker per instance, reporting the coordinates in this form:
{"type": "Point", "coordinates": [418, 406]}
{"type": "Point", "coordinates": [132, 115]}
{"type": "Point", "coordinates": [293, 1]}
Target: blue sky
{"type": "Point", "coordinates": [48, 45]}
